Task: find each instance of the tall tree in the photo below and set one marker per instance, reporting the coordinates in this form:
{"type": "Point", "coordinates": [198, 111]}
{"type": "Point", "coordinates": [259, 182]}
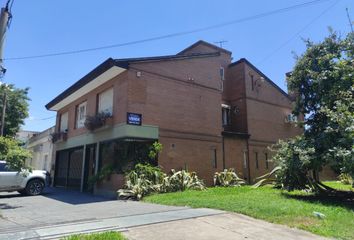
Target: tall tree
{"type": "Point", "coordinates": [323, 81]}
{"type": "Point", "coordinates": [16, 108]}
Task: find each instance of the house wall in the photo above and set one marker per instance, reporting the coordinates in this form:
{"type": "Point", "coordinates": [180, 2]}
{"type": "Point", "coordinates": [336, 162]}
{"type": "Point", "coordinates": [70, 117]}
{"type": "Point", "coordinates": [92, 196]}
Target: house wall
{"type": "Point", "coordinates": [267, 108]}
{"type": "Point", "coordinates": [235, 154]}
{"type": "Point", "coordinates": [261, 111]}
{"type": "Point", "coordinates": [186, 113]}
{"type": "Point", "coordinates": [234, 94]}
{"type": "Point", "coordinates": [120, 87]}
{"type": "Point", "coordinates": [42, 151]}
{"type": "Point", "coordinates": [180, 102]}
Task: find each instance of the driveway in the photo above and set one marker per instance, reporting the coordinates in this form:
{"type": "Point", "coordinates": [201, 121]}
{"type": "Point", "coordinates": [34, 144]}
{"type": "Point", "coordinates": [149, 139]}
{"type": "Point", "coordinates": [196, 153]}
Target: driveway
{"type": "Point", "coordinates": [59, 213]}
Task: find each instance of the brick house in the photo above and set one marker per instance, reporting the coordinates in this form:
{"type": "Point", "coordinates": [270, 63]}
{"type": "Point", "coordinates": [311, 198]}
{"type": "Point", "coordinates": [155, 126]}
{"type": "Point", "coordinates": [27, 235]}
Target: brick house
{"type": "Point", "coordinates": [208, 113]}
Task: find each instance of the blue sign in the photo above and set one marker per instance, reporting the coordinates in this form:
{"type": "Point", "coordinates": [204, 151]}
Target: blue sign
{"type": "Point", "coordinates": [134, 118]}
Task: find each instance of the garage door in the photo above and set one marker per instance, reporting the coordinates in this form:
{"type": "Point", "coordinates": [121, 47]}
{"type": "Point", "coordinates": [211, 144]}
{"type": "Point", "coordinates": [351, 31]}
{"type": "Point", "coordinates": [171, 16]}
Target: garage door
{"type": "Point", "coordinates": [68, 168]}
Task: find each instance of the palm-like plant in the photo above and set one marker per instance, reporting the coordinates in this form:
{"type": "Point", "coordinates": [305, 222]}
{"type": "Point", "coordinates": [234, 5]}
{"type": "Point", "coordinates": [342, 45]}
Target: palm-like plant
{"type": "Point", "coordinates": [228, 178]}
{"type": "Point", "coordinates": [269, 178]}
{"type": "Point", "coordinates": [183, 180]}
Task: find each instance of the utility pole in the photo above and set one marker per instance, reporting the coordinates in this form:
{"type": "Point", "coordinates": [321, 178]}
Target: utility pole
{"type": "Point", "coordinates": [350, 21]}
{"type": "Point", "coordinates": [4, 102]}
{"type": "Point", "coordinates": [5, 17]}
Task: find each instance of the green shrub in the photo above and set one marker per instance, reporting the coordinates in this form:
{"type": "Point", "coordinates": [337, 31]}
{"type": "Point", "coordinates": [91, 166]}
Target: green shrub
{"type": "Point", "coordinates": [155, 149]}
{"type": "Point", "coordinates": [136, 187]}
{"type": "Point", "coordinates": [294, 158]}
{"type": "Point", "coordinates": [146, 179]}
{"type": "Point", "coordinates": [345, 179]}
{"type": "Point", "coordinates": [227, 178]}
{"type": "Point", "coordinates": [153, 174]}
{"type": "Point", "coordinates": [141, 181]}
{"type": "Point", "coordinates": [184, 180]}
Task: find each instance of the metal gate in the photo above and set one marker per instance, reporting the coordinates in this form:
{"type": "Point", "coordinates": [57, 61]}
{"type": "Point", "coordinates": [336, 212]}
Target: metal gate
{"type": "Point", "coordinates": [68, 168]}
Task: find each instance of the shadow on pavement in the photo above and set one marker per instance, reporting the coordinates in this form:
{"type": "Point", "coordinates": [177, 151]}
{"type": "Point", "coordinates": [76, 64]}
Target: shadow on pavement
{"type": "Point", "coordinates": [5, 206]}
{"type": "Point", "coordinates": [72, 196]}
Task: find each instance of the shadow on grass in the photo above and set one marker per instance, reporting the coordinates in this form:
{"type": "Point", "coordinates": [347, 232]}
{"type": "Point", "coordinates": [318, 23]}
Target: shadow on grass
{"type": "Point", "coordinates": [340, 198]}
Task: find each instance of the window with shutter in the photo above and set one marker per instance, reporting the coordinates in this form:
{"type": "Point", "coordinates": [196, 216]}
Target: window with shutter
{"type": "Point", "coordinates": [81, 115]}
{"type": "Point", "coordinates": [105, 101]}
{"type": "Point", "coordinates": [64, 122]}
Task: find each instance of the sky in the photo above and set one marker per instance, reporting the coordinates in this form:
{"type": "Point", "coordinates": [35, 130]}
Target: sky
{"type": "Point", "coordinates": [43, 27]}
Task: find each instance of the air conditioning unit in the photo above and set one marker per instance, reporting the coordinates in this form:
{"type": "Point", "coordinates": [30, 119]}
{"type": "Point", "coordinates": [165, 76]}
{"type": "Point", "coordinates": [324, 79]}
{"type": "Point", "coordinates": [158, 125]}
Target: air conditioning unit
{"type": "Point", "coordinates": [291, 118]}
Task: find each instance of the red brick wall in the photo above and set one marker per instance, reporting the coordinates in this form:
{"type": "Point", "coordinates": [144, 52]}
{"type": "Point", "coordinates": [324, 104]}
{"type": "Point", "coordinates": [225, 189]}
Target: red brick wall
{"type": "Point", "coordinates": [193, 154]}
{"type": "Point", "coordinates": [234, 155]}
{"type": "Point", "coordinates": [120, 85]}
{"type": "Point", "coordinates": [234, 94]}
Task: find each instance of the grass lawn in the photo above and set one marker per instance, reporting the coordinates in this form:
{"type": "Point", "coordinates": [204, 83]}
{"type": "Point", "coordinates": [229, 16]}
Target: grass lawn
{"type": "Point", "coordinates": [338, 185]}
{"type": "Point", "coordinates": [294, 209]}
{"type": "Point", "coordinates": [97, 236]}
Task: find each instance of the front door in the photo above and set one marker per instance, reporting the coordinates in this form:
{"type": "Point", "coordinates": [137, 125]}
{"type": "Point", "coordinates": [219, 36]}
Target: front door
{"type": "Point", "coordinates": [68, 168]}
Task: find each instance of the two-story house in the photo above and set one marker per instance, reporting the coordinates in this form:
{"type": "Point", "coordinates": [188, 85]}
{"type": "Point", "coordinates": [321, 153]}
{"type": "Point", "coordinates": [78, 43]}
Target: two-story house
{"type": "Point", "coordinates": [208, 113]}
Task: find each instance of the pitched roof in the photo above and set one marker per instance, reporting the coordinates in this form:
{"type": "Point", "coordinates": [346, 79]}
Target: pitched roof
{"type": "Point", "coordinates": [127, 61]}
{"type": "Point", "coordinates": [244, 60]}
{"type": "Point", "coordinates": [122, 63]}
{"type": "Point", "coordinates": [201, 42]}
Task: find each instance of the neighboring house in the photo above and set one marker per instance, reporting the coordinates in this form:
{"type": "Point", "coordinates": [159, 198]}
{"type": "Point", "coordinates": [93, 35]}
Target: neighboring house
{"type": "Point", "coordinates": [41, 147]}
{"type": "Point", "coordinates": [24, 135]}
{"type": "Point", "coordinates": [209, 114]}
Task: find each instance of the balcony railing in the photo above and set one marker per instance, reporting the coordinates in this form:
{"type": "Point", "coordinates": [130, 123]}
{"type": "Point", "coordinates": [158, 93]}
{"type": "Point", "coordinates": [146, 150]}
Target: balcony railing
{"type": "Point", "coordinates": [97, 121]}
{"type": "Point", "coordinates": [59, 136]}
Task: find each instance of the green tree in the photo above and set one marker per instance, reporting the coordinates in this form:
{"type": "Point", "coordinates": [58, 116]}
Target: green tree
{"type": "Point", "coordinates": [322, 81]}
{"type": "Point", "coordinates": [16, 108]}
{"type": "Point", "coordinates": [13, 153]}
{"type": "Point", "coordinates": [340, 127]}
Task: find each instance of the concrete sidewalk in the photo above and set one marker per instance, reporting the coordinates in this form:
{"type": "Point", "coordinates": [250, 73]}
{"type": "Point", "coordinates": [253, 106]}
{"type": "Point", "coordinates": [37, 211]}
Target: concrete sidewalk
{"type": "Point", "coordinates": [226, 226]}
{"type": "Point", "coordinates": [107, 224]}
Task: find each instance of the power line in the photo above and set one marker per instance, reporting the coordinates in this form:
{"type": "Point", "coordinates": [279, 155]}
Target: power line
{"type": "Point", "coordinates": [245, 19]}
{"type": "Point", "coordinates": [41, 119]}
{"type": "Point", "coordinates": [298, 33]}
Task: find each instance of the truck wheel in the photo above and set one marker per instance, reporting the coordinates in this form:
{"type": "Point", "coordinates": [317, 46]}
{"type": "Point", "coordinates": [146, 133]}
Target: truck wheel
{"type": "Point", "coordinates": [34, 187]}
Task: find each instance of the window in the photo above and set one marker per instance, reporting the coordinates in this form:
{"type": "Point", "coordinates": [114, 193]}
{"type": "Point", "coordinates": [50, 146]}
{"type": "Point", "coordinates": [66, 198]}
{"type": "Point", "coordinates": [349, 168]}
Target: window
{"type": "Point", "coordinates": [266, 160]}
{"type": "Point", "coordinates": [64, 122]}
{"type": "Point", "coordinates": [245, 159]}
{"type": "Point", "coordinates": [214, 158]}
{"type": "Point", "coordinates": [105, 101]}
{"type": "Point", "coordinates": [256, 157]}
{"type": "Point", "coordinates": [81, 115]}
{"type": "Point", "coordinates": [3, 167]}
{"type": "Point", "coordinates": [124, 155]}
{"type": "Point", "coordinates": [226, 109]}
{"type": "Point", "coordinates": [252, 82]}
{"type": "Point", "coordinates": [222, 73]}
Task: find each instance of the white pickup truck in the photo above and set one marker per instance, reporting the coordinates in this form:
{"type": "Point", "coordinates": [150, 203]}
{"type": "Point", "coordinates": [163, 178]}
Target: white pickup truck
{"type": "Point", "coordinates": [29, 183]}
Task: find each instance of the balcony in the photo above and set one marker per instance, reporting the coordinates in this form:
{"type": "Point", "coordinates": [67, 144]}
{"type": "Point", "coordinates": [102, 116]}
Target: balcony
{"type": "Point", "coordinates": [97, 121]}
{"type": "Point", "coordinates": [59, 136]}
